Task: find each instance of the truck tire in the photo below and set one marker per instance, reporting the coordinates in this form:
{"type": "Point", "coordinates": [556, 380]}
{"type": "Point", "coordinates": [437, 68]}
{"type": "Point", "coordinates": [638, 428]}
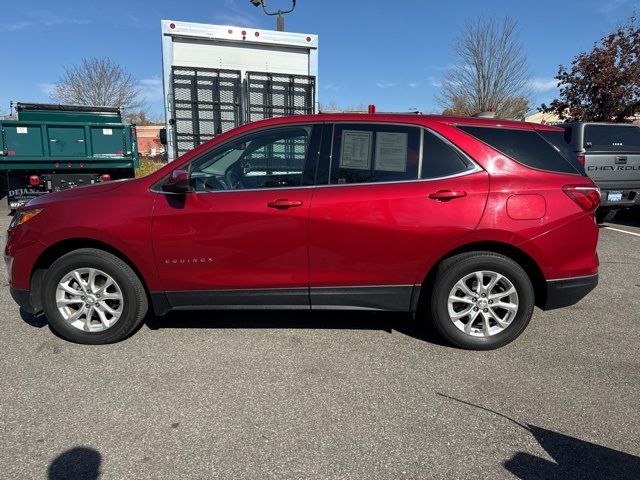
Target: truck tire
{"type": "Point", "coordinates": [91, 296]}
{"type": "Point", "coordinates": [481, 300]}
{"type": "Point", "coordinates": [604, 214]}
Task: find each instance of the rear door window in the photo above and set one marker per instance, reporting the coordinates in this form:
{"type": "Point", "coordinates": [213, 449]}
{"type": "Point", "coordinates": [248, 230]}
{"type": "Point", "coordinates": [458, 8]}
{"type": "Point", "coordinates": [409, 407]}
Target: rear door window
{"type": "Point", "coordinates": [523, 146]}
{"type": "Point", "coordinates": [370, 153]}
{"type": "Point", "coordinates": [605, 138]}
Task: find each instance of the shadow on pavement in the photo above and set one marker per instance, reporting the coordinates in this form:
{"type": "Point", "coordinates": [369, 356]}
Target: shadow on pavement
{"type": "Point", "coordinates": [79, 463]}
{"type": "Point", "coordinates": [572, 458]}
{"type": "Point", "coordinates": [302, 319]}
{"type": "Point", "coordinates": [275, 319]}
{"type": "Point", "coordinates": [627, 218]}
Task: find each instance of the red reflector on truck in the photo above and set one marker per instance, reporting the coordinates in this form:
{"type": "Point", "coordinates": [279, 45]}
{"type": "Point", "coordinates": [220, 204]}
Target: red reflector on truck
{"type": "Point", "coordinates": [588, 198]}
{"type": "Point", "coordinates": [105, 177]}
{"type": "Point", "coordinates": [34, 180]}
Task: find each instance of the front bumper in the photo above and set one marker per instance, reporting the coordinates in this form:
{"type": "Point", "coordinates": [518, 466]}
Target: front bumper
{"type": "Point", "coordinates": [568, 291]}
{"type": "Point", "coordinates": [24, 299]}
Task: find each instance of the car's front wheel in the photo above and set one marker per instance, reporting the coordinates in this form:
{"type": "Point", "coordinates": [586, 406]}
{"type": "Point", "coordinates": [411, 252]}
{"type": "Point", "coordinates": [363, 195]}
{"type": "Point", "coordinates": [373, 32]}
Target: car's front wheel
{"type": "Point", "coordinates": [481, 300]}
{"type": "Point", "coordinates": [91, 296]}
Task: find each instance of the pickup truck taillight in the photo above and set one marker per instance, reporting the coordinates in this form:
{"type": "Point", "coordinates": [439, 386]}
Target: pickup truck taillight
{"type": "Point", "coordinates": [588, 198]}
{"type": "Point", "coordinates": [34, 180]}
{"type": "Point", "coordinates": [581, 159]}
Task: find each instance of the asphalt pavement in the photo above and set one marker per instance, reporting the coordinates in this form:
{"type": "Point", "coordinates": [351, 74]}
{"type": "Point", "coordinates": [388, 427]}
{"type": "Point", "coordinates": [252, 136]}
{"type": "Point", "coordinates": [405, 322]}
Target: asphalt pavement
{"type": "Point", "coordinates": [331, 395]}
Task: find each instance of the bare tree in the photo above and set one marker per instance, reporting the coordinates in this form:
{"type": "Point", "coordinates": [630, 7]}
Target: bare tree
{"type": "Point", "coordinates": [97, 82]}
{"type": "Point", "coordinates": [491, 73]}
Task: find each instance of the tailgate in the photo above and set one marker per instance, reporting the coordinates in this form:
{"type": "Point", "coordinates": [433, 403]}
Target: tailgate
{"type": "Point", "coordinates": [614, 169]}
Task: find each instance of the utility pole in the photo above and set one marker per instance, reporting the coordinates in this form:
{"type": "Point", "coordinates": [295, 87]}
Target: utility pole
{"type": "Point", "coordinates": [279, 13]}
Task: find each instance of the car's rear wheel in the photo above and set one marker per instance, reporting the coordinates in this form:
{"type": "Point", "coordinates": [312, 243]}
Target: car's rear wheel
{"type": "Point", "coordinates": [481, 300]}
{"type": "Point", "coordinates": [91, 296]}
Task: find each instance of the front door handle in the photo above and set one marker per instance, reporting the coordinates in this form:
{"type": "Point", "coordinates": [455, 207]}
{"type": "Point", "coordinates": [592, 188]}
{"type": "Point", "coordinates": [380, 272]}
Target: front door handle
{"type": "Point", "coordinates": [444, 195]}
{"type": "Point", "coordinates": [283, 203]}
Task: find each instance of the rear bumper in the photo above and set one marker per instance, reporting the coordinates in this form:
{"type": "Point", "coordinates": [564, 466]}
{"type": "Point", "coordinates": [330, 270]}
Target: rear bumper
{"type": "Point", "coordinates": [568, 291]}
{"type": "Point", "coordinates": [629, 195]}
{"type": "Point", "coordinates": [23, 298]}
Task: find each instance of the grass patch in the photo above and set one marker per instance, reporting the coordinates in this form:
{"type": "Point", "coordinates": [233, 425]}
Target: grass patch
{"type": "Point", "coordinates": [148, 165]}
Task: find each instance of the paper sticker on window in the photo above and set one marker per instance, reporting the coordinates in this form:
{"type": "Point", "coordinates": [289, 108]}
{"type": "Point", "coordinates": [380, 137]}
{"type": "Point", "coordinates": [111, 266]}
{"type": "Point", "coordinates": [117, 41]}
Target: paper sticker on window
{"type": "Point", "coordinates": [22, 130]}
{"type": "Point", "coordinates": [391, 151]}
{"type": "Point", "coordinates": [355, 151]}
{"type": "Point", "coordinates": [107, 131]}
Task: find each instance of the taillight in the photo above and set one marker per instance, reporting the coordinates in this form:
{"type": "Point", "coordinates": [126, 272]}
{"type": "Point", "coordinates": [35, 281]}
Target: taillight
{"type": "Point", "coordinates": [581, 159]}
{"type": "Point", "coordinates": [34, 180]}
{"type": "Point", "coordinates": [588, 198]}
{"type": "Point", "coordinates": [105, 177]}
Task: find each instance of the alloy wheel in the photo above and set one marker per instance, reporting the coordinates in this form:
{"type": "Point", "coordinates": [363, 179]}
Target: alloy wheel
{"type": "Point", "coordinates": [483, 303]}
{"type": "Point", "coordinates": [89, 299]}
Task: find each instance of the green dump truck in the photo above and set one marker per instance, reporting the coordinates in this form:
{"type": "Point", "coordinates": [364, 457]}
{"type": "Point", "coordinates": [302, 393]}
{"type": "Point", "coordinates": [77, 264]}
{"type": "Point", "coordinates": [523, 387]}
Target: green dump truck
{"type": "Point", "coordinates": [48, 148]}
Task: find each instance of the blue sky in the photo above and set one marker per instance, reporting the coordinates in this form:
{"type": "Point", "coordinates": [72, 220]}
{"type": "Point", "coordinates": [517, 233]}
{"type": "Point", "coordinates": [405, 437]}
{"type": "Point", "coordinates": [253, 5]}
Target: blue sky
{"type": "Point", "coordinates": [393, 54]}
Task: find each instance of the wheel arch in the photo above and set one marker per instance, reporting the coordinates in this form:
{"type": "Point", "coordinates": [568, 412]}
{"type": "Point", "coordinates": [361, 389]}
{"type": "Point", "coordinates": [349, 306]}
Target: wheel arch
{"type": "Point", "coordinates": [57, 250]}
{"type": "Point", "coordinates": [529, 265]}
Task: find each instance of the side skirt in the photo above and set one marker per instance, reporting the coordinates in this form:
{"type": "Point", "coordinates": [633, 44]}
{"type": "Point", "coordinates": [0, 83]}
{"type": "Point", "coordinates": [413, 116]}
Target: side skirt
{"type": "Point", "coordinates": [399, 298]}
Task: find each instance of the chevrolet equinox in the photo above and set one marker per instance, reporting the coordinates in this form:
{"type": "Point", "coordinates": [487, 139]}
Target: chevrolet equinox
{"type": "Point", "coordinates": [467, 222]}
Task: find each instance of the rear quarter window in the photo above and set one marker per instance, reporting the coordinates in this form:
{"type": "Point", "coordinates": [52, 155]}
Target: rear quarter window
{"type": "Point", "coordinates": [559, 142]}
{"type": "Point", "coordinates": [527, 147]}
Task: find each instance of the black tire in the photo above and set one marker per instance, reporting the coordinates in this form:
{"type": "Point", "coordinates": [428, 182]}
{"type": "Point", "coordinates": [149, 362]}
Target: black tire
{"type": "Point", "coordinates": [604, 214]}
{"type": "Point", "coordinates": [134, 304]}
{"type": "Point", "coordinates": [455, 268]}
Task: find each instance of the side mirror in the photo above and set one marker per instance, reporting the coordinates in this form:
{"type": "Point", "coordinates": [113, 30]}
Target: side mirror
{"type": "Point", "coordinates": [163, 136]}
{"type": "Point", "coordinates": [178, 182]}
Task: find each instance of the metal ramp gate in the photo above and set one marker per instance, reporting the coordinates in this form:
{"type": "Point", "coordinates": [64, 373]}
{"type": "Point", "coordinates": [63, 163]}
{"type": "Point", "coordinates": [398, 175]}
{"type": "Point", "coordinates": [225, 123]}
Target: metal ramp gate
{"type": "Point", "coordinates": [276, 95]}
{"type": "Point", "coordinates": [206, 102]}
{"type": "Point", "coordinates": [209, 101]}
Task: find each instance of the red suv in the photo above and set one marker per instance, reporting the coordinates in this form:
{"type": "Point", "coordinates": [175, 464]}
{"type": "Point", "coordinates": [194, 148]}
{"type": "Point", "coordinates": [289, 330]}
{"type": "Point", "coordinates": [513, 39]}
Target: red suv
{"type": "Point", "coordinates": [467, 222]}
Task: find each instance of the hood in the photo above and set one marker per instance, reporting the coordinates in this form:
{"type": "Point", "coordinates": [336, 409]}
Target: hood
{"type": "Point", "coordinates": [78, 193]}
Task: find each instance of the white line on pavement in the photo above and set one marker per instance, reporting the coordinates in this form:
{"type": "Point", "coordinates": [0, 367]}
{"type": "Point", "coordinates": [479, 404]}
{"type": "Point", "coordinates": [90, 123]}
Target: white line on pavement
{"type": "Point", "coordinates": [623, 231]}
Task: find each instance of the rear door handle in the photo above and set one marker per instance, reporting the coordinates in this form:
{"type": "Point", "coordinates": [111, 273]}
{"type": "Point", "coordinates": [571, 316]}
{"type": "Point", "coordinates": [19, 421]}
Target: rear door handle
{"type": "Point", "coordinates": [283, 203]}
{"type": "Point", "coordinates": [444, 195]}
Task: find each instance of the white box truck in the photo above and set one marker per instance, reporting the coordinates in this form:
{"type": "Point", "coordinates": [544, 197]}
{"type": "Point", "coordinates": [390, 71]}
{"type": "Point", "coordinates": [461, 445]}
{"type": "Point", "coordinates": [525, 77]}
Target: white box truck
{"type": "Point", "coordinates": [217, 77]}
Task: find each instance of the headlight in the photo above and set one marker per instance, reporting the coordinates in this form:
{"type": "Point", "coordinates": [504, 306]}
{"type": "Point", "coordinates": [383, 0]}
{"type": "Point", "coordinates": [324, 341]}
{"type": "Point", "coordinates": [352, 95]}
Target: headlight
{"type": "Point", "coordinates": [22, 216]}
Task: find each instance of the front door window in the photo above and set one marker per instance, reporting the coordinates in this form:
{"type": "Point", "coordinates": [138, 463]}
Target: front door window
{"type": "Point", "coordinates": [272, 158]}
